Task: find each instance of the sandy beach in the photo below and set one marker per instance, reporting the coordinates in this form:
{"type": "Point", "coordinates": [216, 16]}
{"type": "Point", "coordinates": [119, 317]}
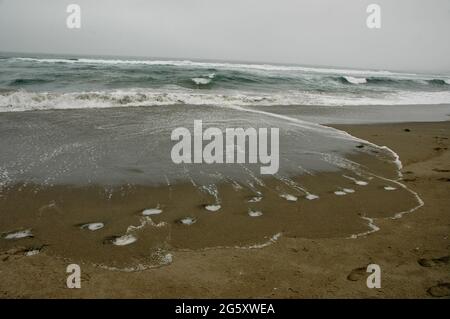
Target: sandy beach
{"type": "Point", "coordinates": [204, 151]}
{"type": "Point", "coordinates": [313, 256]}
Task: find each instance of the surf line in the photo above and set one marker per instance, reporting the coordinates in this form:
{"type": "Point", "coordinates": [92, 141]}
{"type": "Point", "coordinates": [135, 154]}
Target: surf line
{"type": "Point", "coordinates": [241, 146]}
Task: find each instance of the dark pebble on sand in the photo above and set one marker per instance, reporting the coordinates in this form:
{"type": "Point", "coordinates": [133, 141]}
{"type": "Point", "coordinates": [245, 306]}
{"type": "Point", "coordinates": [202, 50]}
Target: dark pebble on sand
{"type": "Point", "coordinates": [407, 130]}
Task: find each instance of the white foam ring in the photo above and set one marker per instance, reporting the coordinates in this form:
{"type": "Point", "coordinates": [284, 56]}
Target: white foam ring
{"type": "Point", "coordinates": [143, 222]}
{"type": "Point", "coordinates": [167, 258]}
{"type": "Point", "coordinates": [344, 163]}
{"type": "Point", "coordinates": [373, 228]}
{"type": "Point", "coordinates": [161, 258]}
{"type": "Point", "coordinates": [272, 240]}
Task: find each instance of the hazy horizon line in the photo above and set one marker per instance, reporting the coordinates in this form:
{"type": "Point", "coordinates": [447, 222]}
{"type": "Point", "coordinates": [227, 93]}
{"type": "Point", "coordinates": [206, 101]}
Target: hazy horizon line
{"type": "Point", "coordinates": [231, 61]}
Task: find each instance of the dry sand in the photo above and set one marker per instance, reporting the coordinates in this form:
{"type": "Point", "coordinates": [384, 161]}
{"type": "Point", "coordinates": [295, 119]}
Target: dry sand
{"type": "Point", "coordinates": [412, 251]}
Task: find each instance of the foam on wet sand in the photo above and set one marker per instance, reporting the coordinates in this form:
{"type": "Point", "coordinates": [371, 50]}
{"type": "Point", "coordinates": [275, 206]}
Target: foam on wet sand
{"type": "Point", "coordinates": [212, 208]}
{"type": "Point", "coordinates": [152, 211]}
{"type": "Point", "coordinates": [124, 240]}
{"type": "Point", "coordinates": [289, 197]}
{"type": "Point", "coordinates": [255, 213]}
{"type": "Point", "coordinates": [19, 234]}
{"type": "Point", "coordinates": [93, 226]}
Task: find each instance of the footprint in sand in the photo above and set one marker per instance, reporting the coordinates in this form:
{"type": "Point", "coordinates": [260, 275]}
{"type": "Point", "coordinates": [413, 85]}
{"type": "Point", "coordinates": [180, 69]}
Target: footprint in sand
{"type": "Point", "coordinates": [431, 262]}
{"type": "Point", "coordinates": [438, 170]}
{"type": "Point", "coordinates": [20, 252]}
{"type": "Point", "coordinates": [357, 274]}
{"type": "Point", "coordinates": [440, 290]}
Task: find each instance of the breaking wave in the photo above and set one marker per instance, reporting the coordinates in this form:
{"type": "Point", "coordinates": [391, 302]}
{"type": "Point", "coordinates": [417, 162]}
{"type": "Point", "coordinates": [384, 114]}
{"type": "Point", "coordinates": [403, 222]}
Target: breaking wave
{"type": "Point", "coordinates": [73, 83]}
{"type": "Point", "coordinates": [353, 80]}
{"type": "Point", "coordinates": [208, 65]}
{"type": "Point", "coordinates": [24, 101]}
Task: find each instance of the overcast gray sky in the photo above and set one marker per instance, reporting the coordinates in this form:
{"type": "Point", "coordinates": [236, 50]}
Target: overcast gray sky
{"type": "Point", "coordinates": [414, 34]}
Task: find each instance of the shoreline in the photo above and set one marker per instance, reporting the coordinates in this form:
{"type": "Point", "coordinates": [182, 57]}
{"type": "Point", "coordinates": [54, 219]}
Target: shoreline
{"type": "Point", "coordinates": [293, 267]}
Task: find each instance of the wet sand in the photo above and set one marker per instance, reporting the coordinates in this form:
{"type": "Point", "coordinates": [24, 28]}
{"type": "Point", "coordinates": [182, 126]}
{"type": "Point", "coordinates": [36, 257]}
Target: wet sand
{"type": "Point", "coordinates": [314, 256]}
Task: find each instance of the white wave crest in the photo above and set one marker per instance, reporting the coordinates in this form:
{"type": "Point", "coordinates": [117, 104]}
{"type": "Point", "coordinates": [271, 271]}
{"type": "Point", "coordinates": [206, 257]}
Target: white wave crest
{"type": "Point", "coordinates": [201, 81]}
{"type": "Point", "coordinates": [216, 65]}
{"type": "Point", "coordinates": [353, 80]}
{"type": "Point", "coordinates": [26, 101]}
